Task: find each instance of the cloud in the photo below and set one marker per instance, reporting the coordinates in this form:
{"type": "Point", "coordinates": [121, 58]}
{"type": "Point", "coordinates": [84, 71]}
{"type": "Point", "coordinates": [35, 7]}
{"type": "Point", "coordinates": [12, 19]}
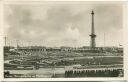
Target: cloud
{"type": "Point", "coordinates": [47, 24]}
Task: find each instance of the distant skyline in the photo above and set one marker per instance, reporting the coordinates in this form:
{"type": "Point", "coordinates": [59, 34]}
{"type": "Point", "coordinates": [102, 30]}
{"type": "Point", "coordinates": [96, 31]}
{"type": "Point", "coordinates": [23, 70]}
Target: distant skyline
{"type": "Point", "coordinates": [57, 25]}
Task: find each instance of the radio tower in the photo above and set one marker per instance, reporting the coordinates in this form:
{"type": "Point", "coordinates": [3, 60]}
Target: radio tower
{"type": "Point", "coordinates": [92, 35]}
{"type": "Point", "coordinates": [5, 41]}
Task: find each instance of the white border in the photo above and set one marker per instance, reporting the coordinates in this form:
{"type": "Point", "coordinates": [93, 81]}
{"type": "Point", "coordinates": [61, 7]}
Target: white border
{"type": "Point", "coordinates": [69, 2]}
{"type": "Point", "coordinates": [1, 39]}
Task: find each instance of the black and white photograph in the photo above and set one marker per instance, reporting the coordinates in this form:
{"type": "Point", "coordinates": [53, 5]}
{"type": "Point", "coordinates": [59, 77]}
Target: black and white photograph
{"type": "Point", "coordinates": [63, 40]}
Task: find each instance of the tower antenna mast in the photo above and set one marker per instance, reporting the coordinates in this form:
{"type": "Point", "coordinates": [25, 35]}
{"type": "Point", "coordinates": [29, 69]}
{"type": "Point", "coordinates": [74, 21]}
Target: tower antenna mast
{"type": "Point", "coordinates": [5, 41]}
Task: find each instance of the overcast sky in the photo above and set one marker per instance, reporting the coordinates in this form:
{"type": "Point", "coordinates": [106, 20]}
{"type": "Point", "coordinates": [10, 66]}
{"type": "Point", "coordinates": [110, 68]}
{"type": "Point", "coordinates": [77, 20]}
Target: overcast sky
{"type": "Point", "coordinates": [63, 24]}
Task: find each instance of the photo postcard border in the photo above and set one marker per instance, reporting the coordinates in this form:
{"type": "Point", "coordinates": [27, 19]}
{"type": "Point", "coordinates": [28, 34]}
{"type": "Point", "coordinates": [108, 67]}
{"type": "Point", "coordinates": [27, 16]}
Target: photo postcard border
{"type": "Point", "coordinates": [125, 33]}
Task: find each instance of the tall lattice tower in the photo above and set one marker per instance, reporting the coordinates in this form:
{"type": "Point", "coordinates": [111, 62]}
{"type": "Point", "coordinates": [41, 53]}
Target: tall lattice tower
{"type": "Point", "coordinates": [92, 35]}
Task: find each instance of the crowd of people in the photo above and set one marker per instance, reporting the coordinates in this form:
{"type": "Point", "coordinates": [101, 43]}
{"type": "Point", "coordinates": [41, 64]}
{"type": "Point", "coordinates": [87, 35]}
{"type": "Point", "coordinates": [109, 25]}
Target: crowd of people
{"type": "Point", "coordinates": [93, 73]}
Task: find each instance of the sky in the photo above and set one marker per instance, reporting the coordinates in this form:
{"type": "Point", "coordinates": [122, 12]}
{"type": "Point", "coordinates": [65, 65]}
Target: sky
{"type": "Point", "coordinates": [61, 24]}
